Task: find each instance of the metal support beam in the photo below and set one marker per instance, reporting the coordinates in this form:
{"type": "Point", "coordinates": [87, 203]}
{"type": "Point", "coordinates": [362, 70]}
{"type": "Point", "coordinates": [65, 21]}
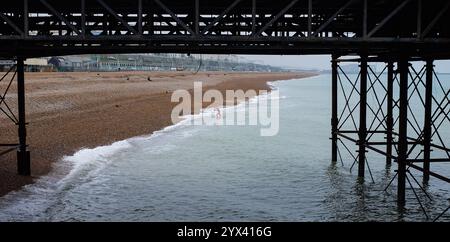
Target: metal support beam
{"type": "Point", "coordinates": [436, 19]}
{"type": "Point", "coordinates": [11, 23]}
{"type": "Point", "coordinates": [362, 133]}
{"type": "Point", "coordinates": [23, 155]}
{"type": "Point", "coordinates": [277, 16]}
{"type": "Point", "coordinates": [433, 174]}
{"type": "Point", "coordinates": [174, 17]}
{"type": "Point", "coordinates": [197, 17]}
{"type": "Point", "coordinates": [419, 19]}
{"type": "Point", "coordinates": [334, 107]}
{"type": "Point", "coordinates": [310, 17]}
{"type": "Point", "coordinates": [25, 17]}
{"type": "Point", "coordinates": [333, 17]}
{"type": "Point", "coordinates": [427, 121]}
{"type": "Point", "coordinates": [403, 67]}
{"type": "Point", "coordinates": [253, 17]}
{"type": "Point", "coordinates": [365, 19]}
{"type": "Point", "coordinates": [60, 16]}
{"type": "Point", "coordinates": [83, 17]}
{"type": "Point", "coordinates": [387, 18]}
{"type": "Point", "coordinates": [389, 113]}
{"type": "Point", "coordinates": [221, 16]}
{"type": "Point", "coordinates": [139, 23]}
{"type": "Point", "coordinates": [116, 16]}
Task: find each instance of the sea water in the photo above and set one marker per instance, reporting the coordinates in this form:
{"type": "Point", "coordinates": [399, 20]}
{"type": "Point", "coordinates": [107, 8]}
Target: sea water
{"type": "Point", "coordinates": [228, 173]}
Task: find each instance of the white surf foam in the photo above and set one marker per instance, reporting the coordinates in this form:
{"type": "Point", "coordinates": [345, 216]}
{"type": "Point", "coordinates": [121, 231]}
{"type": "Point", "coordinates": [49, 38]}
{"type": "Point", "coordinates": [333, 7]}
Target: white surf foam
{"type": "Point", "coordinates": [89, 161]}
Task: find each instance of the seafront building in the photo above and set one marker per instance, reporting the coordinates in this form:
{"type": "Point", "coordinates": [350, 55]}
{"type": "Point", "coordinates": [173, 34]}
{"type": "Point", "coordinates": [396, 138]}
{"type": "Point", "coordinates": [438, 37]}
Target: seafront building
{"type": "Point", "coordinates": [142, 62]}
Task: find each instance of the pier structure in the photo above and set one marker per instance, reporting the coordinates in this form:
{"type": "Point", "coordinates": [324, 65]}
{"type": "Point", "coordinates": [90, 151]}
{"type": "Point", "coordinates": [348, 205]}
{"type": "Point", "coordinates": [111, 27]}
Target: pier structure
{"type": "Point", "coordinates": [403, 122]}
{"type": "Point", "coordinates": [394, 33]}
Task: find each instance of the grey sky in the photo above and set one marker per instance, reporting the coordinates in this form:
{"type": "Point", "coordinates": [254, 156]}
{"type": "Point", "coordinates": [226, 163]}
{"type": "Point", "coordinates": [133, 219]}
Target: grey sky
{"type": "Point", "coordinates": [320, 62]}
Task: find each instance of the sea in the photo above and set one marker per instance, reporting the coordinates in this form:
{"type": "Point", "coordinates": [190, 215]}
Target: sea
{"type": "Point", "coordinates": [232, 173]}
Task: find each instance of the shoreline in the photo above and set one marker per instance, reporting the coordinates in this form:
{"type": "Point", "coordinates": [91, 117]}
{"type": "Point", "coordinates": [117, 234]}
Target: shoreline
{"type": "Point", "coordinates": [69, 112]}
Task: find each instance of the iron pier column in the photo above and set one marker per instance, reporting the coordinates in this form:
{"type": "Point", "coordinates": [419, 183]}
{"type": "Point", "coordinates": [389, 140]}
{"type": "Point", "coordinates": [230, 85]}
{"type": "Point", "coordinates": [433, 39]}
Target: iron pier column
{"type": "Point", "coordinates": [334, 107]}
{"type": "Point", "coordinates": [362, 132]}
{"type": "Point", "coordinates": [403, 66]}
{"type": "Point", "coordinates": [427, 121]}
{"type": "Point", "coordinates": [389, 115]}
{"type": "Point", "coordinates": [23, 155]}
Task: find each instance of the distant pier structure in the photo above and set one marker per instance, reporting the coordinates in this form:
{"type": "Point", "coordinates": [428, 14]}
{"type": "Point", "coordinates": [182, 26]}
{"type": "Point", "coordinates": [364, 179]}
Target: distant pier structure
{"type": "Point", "coordinates": [394, 32]}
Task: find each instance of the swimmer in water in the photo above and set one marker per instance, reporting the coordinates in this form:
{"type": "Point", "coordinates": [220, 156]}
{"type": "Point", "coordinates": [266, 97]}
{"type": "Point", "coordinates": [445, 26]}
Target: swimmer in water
{"type": "Point", "coordinates": [218, 114]}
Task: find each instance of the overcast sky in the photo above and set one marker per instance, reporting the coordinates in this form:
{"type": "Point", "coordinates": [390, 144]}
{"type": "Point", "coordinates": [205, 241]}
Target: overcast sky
{"type": "Point", "coordinates": [320, 62]}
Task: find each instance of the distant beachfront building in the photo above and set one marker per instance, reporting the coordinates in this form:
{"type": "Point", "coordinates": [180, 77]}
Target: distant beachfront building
{"type": "Point", "coordinates": [156, 62]}
{"type": "Point", "coordinates": [5, 65]}
{"type": "Point", "coordinates": [31, 65]}
{"type": "Point", "coordinates": [141, 62]}
{"type": "Point", "coordinates": [38, 65]}
{"type": "Point", "coordinates": [70, 63]}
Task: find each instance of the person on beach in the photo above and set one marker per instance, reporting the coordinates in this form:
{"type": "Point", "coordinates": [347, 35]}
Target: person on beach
{"type": "Point", "coordinates": [218, 114]}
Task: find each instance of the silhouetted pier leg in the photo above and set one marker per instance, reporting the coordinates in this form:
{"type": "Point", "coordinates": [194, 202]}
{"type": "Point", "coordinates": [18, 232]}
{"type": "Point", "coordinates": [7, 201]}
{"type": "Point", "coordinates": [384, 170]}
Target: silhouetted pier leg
{"type": "Point", "coordinates": [23, 155]}
{"type": "Point", "coordinates": [403, 67]}
{"type": "Point", "coordinates": [427, 122]}
{"type": "Point", "coordinates": [334, 107]}
{"type": "Point", "coordinates": [389, 115]}
{"type": "Point", "coordinates": [362, 133]}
